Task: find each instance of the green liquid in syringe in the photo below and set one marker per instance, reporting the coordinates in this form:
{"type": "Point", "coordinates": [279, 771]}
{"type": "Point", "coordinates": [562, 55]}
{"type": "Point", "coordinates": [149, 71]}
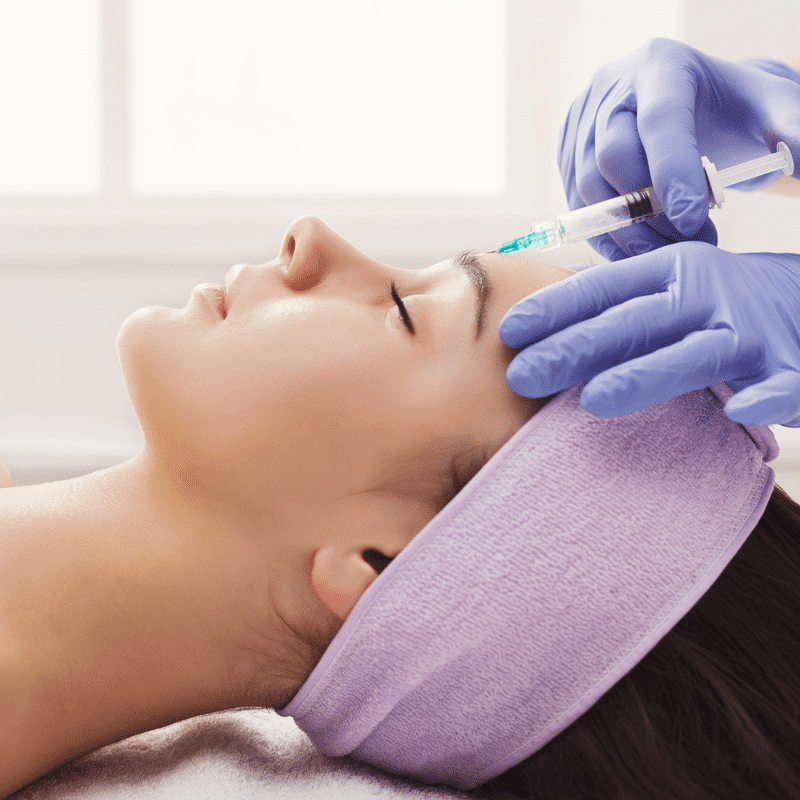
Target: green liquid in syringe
{"type": "Point", "coordinates": [535, 239]}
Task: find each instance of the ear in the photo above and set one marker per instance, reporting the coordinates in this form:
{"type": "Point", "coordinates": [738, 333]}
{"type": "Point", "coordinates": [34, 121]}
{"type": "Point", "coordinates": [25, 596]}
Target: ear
{"type": "Point", "coordinates": [340, 576]}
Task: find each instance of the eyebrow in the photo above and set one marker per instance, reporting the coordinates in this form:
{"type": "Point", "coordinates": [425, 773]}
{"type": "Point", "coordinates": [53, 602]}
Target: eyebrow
{"type": "Point", "coordinates": [476, 272]}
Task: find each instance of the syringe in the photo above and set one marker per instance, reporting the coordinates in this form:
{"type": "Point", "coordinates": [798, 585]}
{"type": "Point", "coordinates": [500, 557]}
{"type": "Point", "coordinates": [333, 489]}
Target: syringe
{"type": "Point", "coordinates": [609, 215]}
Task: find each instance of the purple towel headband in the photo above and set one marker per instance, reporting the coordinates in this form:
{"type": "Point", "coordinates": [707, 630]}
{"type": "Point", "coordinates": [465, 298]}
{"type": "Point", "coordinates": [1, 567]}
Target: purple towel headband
{"type": "Point", "coordinates": [577, 547]}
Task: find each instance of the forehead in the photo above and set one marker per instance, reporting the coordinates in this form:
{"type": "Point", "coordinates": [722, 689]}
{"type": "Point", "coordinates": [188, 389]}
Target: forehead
{"type": "Point", "coordinates": [514, 277]}
{"type": "Point", "coordinates": [511, 278]}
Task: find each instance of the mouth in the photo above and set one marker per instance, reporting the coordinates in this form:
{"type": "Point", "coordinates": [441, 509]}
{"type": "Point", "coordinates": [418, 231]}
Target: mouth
{"type": "Point", "coordinates": [221, 301]}
{"type": "Point", "coordinates": [215, 295]}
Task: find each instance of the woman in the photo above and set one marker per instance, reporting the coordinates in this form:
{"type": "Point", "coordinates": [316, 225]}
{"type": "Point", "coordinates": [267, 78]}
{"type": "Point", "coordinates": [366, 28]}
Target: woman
{"type": "Point", "coordinates": [325, 405]}
{"type": "Point", "coordinates": [213, 571]}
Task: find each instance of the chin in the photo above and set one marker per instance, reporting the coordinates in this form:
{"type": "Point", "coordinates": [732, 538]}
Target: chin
{"type": "Point", "coordinates": [143, 348]}
{"type": "Point", "coordinates": [136, 334]}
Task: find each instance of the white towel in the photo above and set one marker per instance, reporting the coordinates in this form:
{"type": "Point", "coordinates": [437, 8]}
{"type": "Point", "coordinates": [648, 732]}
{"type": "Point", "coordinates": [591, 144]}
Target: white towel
{"type": "Point", "coordinates": [249, 754]}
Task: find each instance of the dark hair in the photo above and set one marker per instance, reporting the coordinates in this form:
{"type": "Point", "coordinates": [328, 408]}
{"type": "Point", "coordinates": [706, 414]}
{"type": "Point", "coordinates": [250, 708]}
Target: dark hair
{"type": "Point", "coordinates": [712, 712]}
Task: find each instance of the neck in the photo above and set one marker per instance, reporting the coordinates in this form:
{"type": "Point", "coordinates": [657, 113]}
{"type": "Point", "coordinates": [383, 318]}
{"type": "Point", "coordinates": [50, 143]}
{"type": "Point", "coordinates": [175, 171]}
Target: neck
{"type": "Point", "coordinates": [114, 616]}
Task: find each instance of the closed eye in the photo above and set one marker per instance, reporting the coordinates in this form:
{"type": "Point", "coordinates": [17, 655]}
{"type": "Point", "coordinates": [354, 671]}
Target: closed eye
{"type": "Point", "coordinates": [404, 315]}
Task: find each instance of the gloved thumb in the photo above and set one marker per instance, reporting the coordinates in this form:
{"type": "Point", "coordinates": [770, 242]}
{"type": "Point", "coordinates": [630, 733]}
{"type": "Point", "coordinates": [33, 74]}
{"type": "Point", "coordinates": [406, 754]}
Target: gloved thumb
{"type": "Point", "coordinates": [774, 401]}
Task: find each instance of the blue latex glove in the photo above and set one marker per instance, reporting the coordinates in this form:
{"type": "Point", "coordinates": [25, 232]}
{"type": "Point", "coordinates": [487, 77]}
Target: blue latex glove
{"type": "Point", "coordinates": [655, 326]}
{"type": "Point", "coordinates": [646, 120]}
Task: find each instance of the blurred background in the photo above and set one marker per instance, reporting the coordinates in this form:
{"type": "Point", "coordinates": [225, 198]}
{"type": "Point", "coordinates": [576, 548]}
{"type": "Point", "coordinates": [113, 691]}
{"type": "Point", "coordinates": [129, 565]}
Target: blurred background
{"type": "Point", "coordinates": [149, 145]}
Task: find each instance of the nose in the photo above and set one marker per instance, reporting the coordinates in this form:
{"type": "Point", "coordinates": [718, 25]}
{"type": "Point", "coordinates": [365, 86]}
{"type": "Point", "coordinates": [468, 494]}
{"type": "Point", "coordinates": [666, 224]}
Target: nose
{"type": "Point", "coordinates": [311, 250]}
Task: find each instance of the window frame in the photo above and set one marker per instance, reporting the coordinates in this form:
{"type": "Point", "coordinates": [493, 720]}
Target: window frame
{"type": "Point", "coordinates": [118, 227]}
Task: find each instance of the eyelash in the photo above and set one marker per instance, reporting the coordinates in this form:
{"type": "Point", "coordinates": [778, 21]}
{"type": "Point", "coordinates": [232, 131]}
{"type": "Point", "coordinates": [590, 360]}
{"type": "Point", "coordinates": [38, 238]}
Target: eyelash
{"type": "Point", "coordinates": [405, 316]}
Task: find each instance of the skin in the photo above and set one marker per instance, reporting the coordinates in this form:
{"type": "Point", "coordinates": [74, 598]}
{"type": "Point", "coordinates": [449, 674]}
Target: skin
{"type": "Point", "coordinates": [281, 442]}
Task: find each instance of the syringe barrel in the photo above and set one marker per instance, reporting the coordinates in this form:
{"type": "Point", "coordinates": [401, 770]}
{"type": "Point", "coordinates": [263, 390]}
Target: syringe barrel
{"type": "Point", "coordinates": [608, 215]}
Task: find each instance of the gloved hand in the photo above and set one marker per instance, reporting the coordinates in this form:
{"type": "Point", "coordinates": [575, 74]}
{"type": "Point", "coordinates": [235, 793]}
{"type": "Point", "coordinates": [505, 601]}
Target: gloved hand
{"type": "Point", "coordinates": [655, 326]}
{"type": "Point", "coordinates": [645, 120]}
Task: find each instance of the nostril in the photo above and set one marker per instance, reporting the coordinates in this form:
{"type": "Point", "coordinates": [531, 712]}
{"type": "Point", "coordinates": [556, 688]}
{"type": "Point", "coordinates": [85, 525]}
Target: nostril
{"type": "Point", "coordinates": [290, 245]}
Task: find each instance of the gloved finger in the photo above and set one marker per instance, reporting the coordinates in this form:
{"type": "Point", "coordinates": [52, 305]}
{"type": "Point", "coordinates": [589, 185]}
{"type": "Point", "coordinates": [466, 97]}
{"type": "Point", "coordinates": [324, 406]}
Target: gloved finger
{"type": "Point", "coordinates": [773, 401]}
{"type": "Point", "coordinates": [607, 247]}
{"type": "Point", "coordinates": [580, 267]}
{"type": "Point", "coordinates": [619, 153]}
{"type": "Point", "coordinates": [637, 327]}
{"type": "Point", "coordinates": [584, 179]}
{"type": "Point", "coordinates": [701, 359]}
{"type": "Point", "coordinates": [583, 182]}
{"type": "Point", "coordinates": [639, 238]}
{"type": "Point", "coordinates": [574, 125]}
{"type": "Point", "coordinates": [662, 225]}
{"type": "Point", "coordinates": [622, 162]}
{"type": "Point", "coordinates": [667, 130]}
{"type": "Point", "coordinates": [777, 113]}
{"type": "Point", "coordinates": [583, 295]}
{"type": "Point", "coordinates": [782, 124]}
{"type": "Point", "coordinates": [590, 186]}
{"type": "Point", "coordinates": [657, 232]}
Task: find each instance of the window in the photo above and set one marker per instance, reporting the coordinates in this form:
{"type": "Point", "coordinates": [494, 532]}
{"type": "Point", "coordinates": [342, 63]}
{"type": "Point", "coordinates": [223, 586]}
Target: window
{"type": "Point", "coordinates": [242, 97]}
{"type": "Point", "coordinates": [50, 97]}
{"type": "Point", "coordinates": [196, 130]}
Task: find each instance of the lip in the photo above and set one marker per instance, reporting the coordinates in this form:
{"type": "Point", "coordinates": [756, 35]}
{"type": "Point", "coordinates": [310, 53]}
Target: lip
{"type": "Point", "coordinates": [214, 294]}
{"type": "Point", "coordinates": [230, 281]}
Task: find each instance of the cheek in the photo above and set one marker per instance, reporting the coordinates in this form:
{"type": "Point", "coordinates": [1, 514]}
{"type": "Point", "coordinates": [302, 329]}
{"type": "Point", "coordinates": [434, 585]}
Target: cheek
{"type": "Point", "coordinates": [283, 373]}
{"type": "Point", "coordinates": [475, 397]}
{"type": "Point", "coordinates": [278, 361]}
{"type": "Point", "coordinates": [316, 402]}
{"type": "Point", "coordinates": [285, 399]}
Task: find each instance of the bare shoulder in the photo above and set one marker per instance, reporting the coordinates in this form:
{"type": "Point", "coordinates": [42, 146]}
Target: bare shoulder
{"type": "Point", "coordinates": [5, 476]}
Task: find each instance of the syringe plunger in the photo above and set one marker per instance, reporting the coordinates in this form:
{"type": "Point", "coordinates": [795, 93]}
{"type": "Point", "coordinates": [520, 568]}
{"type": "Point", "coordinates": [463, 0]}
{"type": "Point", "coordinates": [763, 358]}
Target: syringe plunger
{"type": "Point", "coordinates": [738, 173]}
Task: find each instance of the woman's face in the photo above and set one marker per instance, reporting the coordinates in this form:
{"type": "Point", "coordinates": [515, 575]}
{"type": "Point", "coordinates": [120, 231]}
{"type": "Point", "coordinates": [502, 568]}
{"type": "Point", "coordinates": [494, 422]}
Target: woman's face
{"type": "Point", "coordinates": [314, 385]}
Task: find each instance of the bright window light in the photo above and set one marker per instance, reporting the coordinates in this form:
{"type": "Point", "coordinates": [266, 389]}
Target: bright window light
{"type": "Point", "coordinates": [50, 97]}
{"type": "Point", "coordinates": [312, 97]}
